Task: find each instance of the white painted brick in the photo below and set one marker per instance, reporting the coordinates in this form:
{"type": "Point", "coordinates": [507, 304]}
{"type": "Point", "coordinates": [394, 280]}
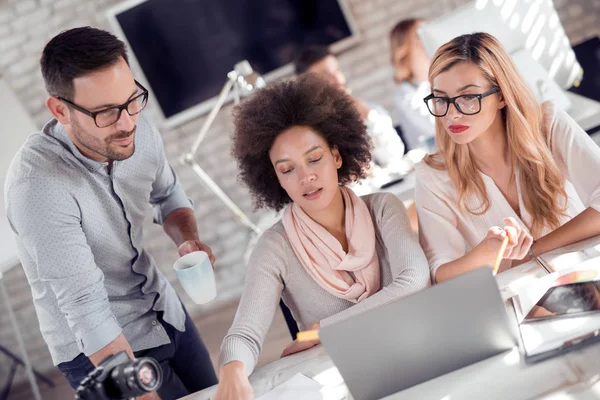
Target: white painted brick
{"type": "Point", "coordinates": [35, 105]}
{"type": "Point", "coordinates": [575, 10]}
{"type": "Point", "coordinates": [25, 6]}
{"type": "Point", "coordinates": [86, 9]}
{"type": "Point", "coordinates": [30, 20]}
{"type": "Point", "coordinates": [32, 92]}
{"type": "Point", "coordinates": [59, 19]}
{"type": "Point", "coordinates": [76, 22]}
{"type": "Point", "coordinates": [5, 31]}
{"type": "Point", "coordinates": [378, 34]}
{"type": "Point", "coordinates": [59, 5]}
{"type": "Point", "coordinates": [34, 46]}
{"type": "Point", "coordinates": [41, 120]}
{"type": "Point", "coordinates": [41, 32]}
{"type": "Point", "coordinates": [11, 42]}
{"type": "Point", "coordinates": [6, 15]}
{"type": "Point", "coordinates": [373, 19]}
{"type": "Point", "coordinates": [9, 57]}
{"type": "Point", "coordinates": [24, 66]}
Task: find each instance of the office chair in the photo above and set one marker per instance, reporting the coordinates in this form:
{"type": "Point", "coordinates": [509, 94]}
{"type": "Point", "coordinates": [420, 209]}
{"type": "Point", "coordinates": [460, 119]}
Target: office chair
{"type": "Point", "coordinates": [289, 319]}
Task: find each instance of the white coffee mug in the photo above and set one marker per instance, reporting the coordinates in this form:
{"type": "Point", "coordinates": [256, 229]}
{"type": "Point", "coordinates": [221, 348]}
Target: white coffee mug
{"type": "Point", "coordinates": [195, 273]}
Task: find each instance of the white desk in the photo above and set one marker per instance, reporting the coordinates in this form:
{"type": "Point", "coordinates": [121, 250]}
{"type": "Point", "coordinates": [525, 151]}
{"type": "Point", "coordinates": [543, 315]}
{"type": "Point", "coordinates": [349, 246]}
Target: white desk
{"type": "Point", "coordinates": [583, 110]}
{"type": "Point", "coordinates": [404, 190]}
{"type": "Point", "coordinates": [573, 376]}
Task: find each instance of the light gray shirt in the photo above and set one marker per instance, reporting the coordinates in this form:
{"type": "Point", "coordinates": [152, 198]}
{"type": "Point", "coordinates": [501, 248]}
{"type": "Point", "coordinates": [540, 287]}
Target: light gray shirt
{"type": "Point", "coordinates": [78, 228]}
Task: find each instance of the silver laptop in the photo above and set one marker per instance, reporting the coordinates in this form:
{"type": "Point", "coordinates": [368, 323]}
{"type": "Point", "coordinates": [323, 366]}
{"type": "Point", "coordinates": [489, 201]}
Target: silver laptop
{"type": "Point", "coordinates": [417, 338]}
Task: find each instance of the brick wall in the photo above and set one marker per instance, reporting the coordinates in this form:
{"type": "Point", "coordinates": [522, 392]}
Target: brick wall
{"type": "Point", "coordinates": [26, 25]}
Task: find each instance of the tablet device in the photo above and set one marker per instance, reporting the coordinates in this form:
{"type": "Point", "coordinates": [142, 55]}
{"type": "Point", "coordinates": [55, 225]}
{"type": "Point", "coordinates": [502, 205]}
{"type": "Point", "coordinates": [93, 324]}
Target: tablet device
{"type": "Point", "coordinates": [575, 294]}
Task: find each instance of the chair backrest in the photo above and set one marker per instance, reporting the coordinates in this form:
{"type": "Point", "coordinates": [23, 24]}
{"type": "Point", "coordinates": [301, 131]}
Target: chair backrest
{"type": "Point", "coordinates": [401, 134]}
{"type": "Point", "coordinates": [289, 319]}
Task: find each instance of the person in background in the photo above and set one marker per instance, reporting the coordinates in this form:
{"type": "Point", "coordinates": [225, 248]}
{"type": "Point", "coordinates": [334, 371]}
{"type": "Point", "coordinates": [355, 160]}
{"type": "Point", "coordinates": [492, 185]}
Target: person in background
{"type": "Point", "coordinates": [411, 64]}
{"type": "Point", "coordinates": [77, 194]}
{"type": "Point", "coordinates": [298, 143]}
{"type": "Point", "coordinates": [388, 147]}
{"type": "Point", "coordinates": [503, 160]}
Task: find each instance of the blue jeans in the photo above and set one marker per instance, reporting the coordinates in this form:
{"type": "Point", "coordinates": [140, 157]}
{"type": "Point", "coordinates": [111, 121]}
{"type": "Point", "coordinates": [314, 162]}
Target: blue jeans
{"type": "Point", "coordinates": [185, 363]}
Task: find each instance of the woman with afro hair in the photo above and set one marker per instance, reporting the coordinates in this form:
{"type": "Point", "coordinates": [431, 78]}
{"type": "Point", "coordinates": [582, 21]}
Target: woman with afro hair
{"type": "Point", "coordinates": [298, 143]}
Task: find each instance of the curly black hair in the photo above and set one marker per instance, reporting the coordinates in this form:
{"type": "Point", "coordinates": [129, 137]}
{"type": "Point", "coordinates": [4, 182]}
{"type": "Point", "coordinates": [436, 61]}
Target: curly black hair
{"type": "Point", "coordinates": [303, 101]}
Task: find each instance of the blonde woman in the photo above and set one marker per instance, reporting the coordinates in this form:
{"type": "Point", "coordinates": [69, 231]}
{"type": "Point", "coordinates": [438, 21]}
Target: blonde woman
{"type": "Point", "coordinates": [411, 63]}
{"type": "Point", "coordinates": [503, 160]}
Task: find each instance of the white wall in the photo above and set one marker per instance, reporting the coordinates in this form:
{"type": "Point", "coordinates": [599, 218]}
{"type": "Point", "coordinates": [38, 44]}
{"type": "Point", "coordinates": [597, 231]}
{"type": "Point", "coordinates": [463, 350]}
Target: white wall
{"type": "Point", "coordinates": [17, 125]}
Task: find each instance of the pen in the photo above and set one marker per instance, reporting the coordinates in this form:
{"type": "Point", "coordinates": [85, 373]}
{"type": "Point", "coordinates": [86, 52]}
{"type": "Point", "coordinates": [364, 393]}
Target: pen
{"type": "Point", "coordinates": [500, 255]}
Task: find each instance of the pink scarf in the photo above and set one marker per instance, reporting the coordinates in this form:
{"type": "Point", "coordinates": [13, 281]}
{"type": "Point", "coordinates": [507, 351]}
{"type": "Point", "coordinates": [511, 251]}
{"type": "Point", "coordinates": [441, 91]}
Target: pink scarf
{"type": "Point", "coordinates": [322, 254]}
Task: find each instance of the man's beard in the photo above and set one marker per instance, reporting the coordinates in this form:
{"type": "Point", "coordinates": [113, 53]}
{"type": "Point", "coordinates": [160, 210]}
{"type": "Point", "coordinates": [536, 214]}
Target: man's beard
{"type": "Point", "coordinates": [102, 147]}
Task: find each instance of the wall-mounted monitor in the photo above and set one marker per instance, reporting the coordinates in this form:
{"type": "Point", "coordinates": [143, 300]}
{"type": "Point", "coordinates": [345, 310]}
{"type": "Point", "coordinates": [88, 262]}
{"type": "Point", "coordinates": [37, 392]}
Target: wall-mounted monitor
{"type": "Point", "coordinates": [185, 48]}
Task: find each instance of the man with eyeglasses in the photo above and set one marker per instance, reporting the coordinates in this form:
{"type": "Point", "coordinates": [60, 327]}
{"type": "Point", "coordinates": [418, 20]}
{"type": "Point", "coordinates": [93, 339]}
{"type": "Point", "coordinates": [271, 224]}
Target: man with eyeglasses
{"type": "Point", "coordinates": [77, 193]}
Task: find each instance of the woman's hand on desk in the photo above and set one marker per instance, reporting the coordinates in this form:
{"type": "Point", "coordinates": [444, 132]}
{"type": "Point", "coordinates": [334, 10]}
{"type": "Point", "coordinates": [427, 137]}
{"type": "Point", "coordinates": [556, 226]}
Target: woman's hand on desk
{"type": "Point", "coordinates": [234, 383]}
{"type": "Point", "coordinates": [297, 346]}
{"type": "Point", "coordinates": [518, 244]}
{"type": "Point", "coordinates": [487, 250]}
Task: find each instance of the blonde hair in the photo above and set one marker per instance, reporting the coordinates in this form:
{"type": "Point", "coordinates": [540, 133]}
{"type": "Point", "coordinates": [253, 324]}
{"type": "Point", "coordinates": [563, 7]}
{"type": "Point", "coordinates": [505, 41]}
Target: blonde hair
{"type": "Point", "coordinates": [401, 38]}
{"type": "Point", "coordinates": [541, 181]}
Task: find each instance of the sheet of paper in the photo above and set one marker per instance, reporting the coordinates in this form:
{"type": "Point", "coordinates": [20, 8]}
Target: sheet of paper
{"type": "Point", "coordinates": [541, 336]}
{"type": "Point", "coordinates": [572, 255]}
{"type": "Point", "coordinates": [566, 260]}
{"type": "Point", "coordinates": [298, 387]}
{"type": "Point", "coordinates": [590, 247]}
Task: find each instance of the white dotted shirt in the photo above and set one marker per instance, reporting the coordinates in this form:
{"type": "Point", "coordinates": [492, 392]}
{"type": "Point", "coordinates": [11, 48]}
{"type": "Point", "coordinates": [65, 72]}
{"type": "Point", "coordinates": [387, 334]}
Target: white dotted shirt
{"type": "Point", "coordinates": [79, 234]}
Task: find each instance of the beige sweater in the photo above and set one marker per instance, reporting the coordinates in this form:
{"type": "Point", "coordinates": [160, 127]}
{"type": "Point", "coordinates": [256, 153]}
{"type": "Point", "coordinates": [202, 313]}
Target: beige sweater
{"type": "Point", "coordinates": [274, 272]}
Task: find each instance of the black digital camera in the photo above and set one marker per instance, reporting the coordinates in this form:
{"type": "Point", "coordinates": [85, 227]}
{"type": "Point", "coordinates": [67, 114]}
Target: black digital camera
{"type": "Point", "coordinates": [118, 377]}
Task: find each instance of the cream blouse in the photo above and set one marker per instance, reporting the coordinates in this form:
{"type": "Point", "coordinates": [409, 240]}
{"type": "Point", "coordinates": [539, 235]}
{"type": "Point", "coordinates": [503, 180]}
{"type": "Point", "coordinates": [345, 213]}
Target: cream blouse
{"type": "Point", "coordinates": [447, 234]}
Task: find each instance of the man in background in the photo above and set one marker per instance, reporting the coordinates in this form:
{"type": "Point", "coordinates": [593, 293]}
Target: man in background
{"type": "Point", "coordinates": [77, 193]}
{"type": "Point", "coordinates": [388, 148]}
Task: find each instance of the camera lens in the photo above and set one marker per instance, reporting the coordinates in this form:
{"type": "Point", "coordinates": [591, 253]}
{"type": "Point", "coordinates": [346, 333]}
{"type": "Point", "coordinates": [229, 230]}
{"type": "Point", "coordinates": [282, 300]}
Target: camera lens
{"type": "Point", "coordinates": [148, 375]}
{"type": "Point", "coordinates": [136, 377]}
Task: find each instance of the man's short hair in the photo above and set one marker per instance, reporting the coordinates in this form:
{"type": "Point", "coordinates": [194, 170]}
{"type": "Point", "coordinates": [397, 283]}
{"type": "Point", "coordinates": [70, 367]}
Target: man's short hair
{"type": "Point", "coordinates": [75, 53]}
{"type": "Point", "coordinates": [309, 56]}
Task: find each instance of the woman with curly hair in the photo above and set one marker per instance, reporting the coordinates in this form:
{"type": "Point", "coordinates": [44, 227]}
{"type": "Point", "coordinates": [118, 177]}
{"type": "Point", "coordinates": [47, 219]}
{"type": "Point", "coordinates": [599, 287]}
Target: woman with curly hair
{"type": "Point", "coordinates": [333, 254]}
{"type": "Point", "coordinates": [506, 165]}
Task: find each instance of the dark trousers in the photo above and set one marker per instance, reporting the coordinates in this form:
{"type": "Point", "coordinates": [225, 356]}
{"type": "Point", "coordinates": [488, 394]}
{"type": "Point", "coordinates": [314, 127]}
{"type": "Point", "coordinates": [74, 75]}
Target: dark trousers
{"type": "Point", "coordinates": [185, 363]}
